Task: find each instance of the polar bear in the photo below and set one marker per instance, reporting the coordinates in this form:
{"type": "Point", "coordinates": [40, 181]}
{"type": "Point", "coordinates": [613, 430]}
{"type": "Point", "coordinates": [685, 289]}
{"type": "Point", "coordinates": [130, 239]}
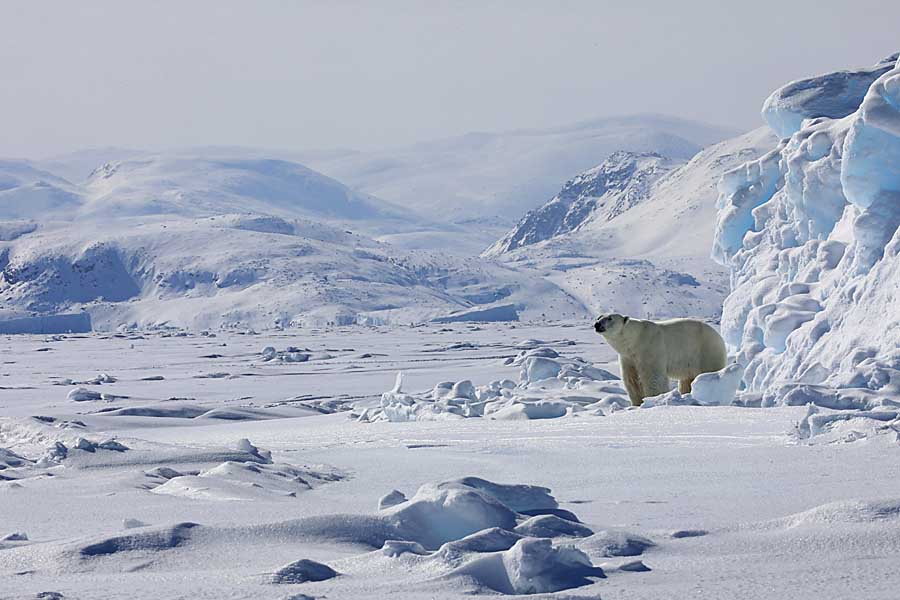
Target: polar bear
{"type": "Point", "coordinates": [652, 352]}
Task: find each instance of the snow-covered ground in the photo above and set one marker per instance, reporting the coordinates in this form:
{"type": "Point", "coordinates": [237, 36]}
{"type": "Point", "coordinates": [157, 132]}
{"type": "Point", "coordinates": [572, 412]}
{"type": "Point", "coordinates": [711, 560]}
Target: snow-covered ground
{"type": "Point", "coordinates": [438, 424]}
{"type": "Point", "coordinates": [670, 501]}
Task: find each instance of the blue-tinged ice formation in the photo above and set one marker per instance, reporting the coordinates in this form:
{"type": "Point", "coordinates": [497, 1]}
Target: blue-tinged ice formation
{"type": "Point", "coordinates": [810, 233]}
{"type": "Point", "coordinates": [834, 95]}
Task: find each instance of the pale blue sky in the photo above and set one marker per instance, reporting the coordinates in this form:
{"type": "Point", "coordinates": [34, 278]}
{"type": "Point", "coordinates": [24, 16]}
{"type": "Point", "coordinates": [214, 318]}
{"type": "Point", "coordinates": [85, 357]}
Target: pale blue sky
{"type": "Point", "coordinates": [301, 75]}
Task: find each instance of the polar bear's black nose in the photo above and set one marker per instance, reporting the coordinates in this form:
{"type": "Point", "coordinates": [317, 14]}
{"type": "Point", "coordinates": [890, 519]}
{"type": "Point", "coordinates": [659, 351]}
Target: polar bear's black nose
{"type": "Point", "coordinates": [598, 327]}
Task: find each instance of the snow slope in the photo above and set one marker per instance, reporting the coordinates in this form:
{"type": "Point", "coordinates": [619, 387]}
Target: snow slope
{"type": "Point", "coordinates": [634, 233]}
{"type": "Point", "coordinates": [810, 234]}
{"type": "Point", "coordinates": [201, 186]}
{"type": "Point", "coordinates": [491, 179]}
{"type": "Point", "coordinates": [230, 237]}
{"type": "Point", "coordinates": [199, 241]}
{"type": "Point", "coordinates": [27, 192]}
{"type": "Point", "coordinates": [623, 180]}
{"type": "Point", "coordinates": [253, 271]}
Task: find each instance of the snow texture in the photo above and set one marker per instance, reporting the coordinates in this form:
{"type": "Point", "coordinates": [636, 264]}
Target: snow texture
{"type": "Point", "coordinates": [810, 234]}
{"type": "Point", "coordinates": [548, 388]}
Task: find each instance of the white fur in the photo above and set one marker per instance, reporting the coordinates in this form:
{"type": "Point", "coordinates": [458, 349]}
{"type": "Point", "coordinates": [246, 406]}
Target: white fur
{"type": "Point", "coordinates": [653, 352]}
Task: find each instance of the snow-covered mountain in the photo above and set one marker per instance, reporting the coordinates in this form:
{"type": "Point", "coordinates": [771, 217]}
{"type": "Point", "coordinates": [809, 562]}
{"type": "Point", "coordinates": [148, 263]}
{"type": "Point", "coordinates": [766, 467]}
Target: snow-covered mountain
{"type": "Point", "coordinates": [602, 193]}
{"type": "Point", "coordinates": [201, 186]}
{"type": "Point", "coordinates": [255, 271]}
{"type": "Point", "coordinates": [236, 237]}
{"type": "Point", "coordinates": [809, 232]}
{"type": "Point", "coordinates": [490, 180]}
{"type": "Point", "coordinates": [635, 223]}
{"type": "Point", "coordinates": [201, 241]}
{"type": "Point", "coordinates": [27, 192]}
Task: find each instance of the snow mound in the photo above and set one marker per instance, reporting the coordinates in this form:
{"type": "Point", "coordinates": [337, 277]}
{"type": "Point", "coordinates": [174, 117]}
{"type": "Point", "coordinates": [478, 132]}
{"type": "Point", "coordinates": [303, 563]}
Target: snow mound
{"type": "Point", "coordinates": [81, 394]}
{"type": "Point", "coordinates": [302, 571]}
{"type": "Point", "coordinates": [163, 538]}
{"type": "Point", "coordinates": [614, 543]}
{"type": "Point", "coordinates": [448, 511]}
{"type": "Point", "coordinates": [810, 234]}
{"type": "Point", "coordinates": [531, 566]}
{"type": "Point", "coordinates": [848, 511]}
{"type": "Point", "coordinates": [233, 480]}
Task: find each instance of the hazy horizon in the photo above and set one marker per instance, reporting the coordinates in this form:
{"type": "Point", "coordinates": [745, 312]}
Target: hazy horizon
{"type": "Point", "coordinates": [309, 75]}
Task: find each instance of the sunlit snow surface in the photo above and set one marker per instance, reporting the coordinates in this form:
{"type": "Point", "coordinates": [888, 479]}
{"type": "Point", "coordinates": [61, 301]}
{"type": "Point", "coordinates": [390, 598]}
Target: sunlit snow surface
{"type": "Point", "coordinates": [220, 467]}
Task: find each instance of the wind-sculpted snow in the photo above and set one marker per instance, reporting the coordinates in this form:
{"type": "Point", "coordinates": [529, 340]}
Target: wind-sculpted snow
{"type": "Point", "coordinates": [245, 481]}
{"type": "Point", "coordinates": [809, 232]}
{"type": "Point", "coordinates": [834, 95]}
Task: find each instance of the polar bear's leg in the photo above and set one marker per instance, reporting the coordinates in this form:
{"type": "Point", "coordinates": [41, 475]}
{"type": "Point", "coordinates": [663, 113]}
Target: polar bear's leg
{"type": "Point", "coordinates": [684, 385]}
{"type": "Point", "coordinates": [632, 383]}
{"type": "Point", "coordinates": [654, 380]}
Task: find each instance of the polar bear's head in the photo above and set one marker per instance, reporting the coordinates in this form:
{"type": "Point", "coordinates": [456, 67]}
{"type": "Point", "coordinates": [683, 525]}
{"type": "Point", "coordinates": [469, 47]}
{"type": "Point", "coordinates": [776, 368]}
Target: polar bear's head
{"type": "Point", "coordinates": [610, 325]}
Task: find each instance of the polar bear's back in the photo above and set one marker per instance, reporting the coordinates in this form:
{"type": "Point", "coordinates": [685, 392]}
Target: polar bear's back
{"type": "Point", "coordinates": [692, 347]}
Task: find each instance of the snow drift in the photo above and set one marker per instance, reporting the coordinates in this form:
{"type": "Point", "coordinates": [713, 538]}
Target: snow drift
{"type": "Point", "coordinates": [809, 232]}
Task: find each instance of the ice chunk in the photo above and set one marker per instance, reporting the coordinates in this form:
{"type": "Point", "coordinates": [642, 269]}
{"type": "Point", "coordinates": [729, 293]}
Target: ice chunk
{"type": "Point", "coordinates": [463, 389]}
{"type": "Point", "coordinates": [718, 388]}
{"type": "Point", "coordinates": [538, 368]}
